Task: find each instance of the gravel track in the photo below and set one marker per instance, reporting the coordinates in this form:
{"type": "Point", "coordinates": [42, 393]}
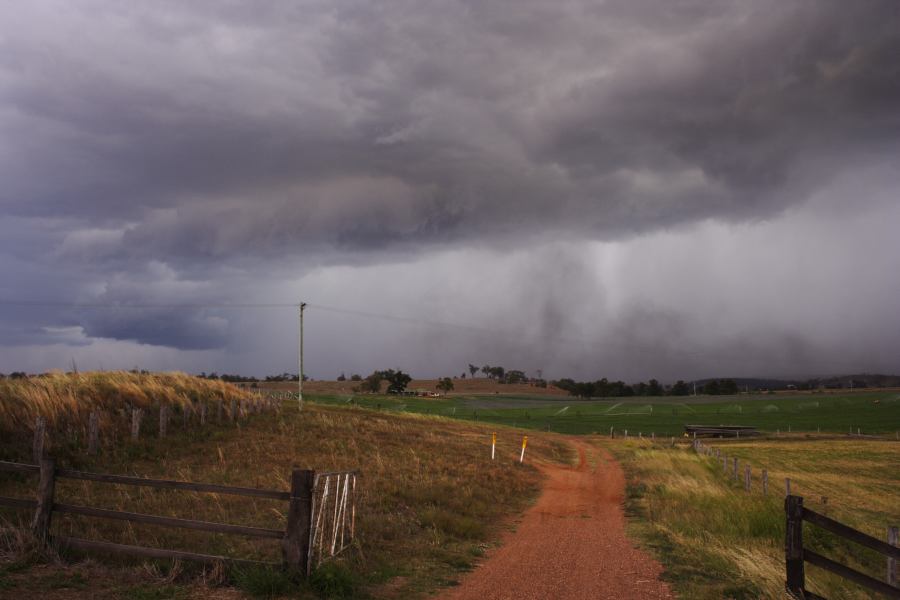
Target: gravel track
{"type": "Point", "coordinates": [570, 545]}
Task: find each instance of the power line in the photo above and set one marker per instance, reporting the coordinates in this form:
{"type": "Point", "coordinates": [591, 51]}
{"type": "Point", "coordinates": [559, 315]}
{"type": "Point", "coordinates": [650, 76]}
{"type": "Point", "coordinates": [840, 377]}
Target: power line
{"type": "Point", "coordinates": [714, 355]}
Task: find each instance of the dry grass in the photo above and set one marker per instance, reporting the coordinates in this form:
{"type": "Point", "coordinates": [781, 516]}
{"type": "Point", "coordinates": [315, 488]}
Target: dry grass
{"type": "Point", "coordinates": [66, 401]}
{"type": "Point", "coordinates": [431, 499]}
{"type": "Point", "coordinates": [718, 541]}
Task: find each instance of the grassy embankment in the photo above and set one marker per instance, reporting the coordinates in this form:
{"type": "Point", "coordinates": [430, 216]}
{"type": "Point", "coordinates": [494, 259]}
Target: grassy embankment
{"type": "Point", "coordinates": [718, 541]}
{"type": "Point", "coordinates": [431, 499]}
{"type": "Point", "coordinates": [66, 401]}
{"type": "Point", "coordinates": [873, 412]}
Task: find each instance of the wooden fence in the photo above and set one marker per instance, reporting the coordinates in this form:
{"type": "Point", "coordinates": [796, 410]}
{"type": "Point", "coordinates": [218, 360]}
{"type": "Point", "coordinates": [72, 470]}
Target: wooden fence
{"type": "Point", "coordinates": [298, 540]}
{"type": "Point", "coordinates": [796, 554]}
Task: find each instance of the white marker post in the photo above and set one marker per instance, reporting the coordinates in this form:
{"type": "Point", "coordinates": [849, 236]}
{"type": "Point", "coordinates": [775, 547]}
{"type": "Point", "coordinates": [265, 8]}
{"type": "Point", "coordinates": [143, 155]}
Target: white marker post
{"type": "Point", "coordinates": [493, 445]}
{"type": "Point", "coordinates": [524, 443]}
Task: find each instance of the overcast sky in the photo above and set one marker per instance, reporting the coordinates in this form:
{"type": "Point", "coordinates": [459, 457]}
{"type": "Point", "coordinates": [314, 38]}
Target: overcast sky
{"type": "Point", "coordinates": [620, 188]}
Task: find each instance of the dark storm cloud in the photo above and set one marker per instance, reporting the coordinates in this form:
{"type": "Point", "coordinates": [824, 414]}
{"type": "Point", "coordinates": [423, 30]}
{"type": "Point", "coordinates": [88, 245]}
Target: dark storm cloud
{"type": "Point", "coordinates": [178, 151]}
{"type": "Point", "coordinates": [364, 126]}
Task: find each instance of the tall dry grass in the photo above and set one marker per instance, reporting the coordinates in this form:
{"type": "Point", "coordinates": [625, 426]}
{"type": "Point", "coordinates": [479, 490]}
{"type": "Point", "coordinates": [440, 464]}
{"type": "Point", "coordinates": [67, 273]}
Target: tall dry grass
{"type": "Point", "coordinates": [716, 540]}
{"type": "Point", "coordinates": [65, 401]}
{"type": "Point", "coordinates": [431, 500]}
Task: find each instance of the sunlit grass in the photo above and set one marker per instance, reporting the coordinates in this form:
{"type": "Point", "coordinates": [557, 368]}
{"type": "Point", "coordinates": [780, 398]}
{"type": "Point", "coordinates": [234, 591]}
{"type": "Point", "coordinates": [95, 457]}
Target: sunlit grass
{"type": "Point", "coordinates": [430, 497]}
{"type": "Point", "coordinates": [718, 541]}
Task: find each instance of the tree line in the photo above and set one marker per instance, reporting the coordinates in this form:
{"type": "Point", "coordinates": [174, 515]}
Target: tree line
{"type": "Point", "coordinates": [613, 389]}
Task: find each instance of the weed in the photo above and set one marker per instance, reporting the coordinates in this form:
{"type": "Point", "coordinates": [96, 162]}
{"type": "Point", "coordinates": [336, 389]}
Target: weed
{"type": "Point", "coordinates": [152, 592]}
{"type": "Point", "coordinates": [263, 582]}
{"type": "Point", "coordinates": [333, 581]}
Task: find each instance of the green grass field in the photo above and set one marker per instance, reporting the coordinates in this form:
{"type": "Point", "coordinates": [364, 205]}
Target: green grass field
{"type": "Point", "coordinates": [869, 412]}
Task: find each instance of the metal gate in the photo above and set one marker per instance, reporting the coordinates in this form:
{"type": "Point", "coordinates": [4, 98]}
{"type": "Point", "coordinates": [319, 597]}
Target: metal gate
{"type": "Point", "coordinates": [333, 516]}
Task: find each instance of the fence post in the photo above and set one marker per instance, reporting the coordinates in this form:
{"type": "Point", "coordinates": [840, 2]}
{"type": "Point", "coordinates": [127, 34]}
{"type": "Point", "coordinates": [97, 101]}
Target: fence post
{"type": "Point", "coordinates": [765, 482]}
{"type": "Point", "coordinates": [136, 415]}
{"type": "Point", "coordinates": [163, 420]}
{"type": "Point", "coordinates": [747, 477]}
{"type": "Point", "coordinates": [219, 412]}
{"type": "Point", "coordinates": [892, 539]}
{"type": "Point", "coordinates": [295, 545]}
{"type": "Point", "coordinates": [40, 426]}
{"type": "Point", "coordinates": [41, 523]}
{"type": "Point", "coordinates": [787, 486]}
{"type": "Point", "coordinates": [735, 465]}
{"type": "Point", "coordinates": [186, 414]}
{"type": "Point", "coordinates": [231, 416]}
{"type": "Point", "coordinates": [793, 546]}
{"type": "Point", "coordinates": [202, 414]}
{"type": "Point", "coordinates": [93, 432]}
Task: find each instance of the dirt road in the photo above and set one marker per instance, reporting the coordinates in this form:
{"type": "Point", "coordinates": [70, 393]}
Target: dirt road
{"type": "Point", "coordinates": [570, 545]}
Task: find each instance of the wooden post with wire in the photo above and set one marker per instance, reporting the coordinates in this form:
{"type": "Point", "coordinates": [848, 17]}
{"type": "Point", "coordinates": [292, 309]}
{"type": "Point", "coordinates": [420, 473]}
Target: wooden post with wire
{"type": "Point", "coordinates": [295, 544]}
{"type": "Point", "coordinates": [300, 374]}
{"type": "Point", "coordinates": [40, 426]}
{"type": "Point", "coordinates": [136, 415]}
{"type": "Point", "coordinates": [894, 540]}
{"type": "Point", "coordinates": [793, 546]}
{"type": "Point", "coordinates": [93, 432]}
{"type": "Point", "coordinates": [40, 526]}
{"type": "Point", "coordinates": [163, 420]}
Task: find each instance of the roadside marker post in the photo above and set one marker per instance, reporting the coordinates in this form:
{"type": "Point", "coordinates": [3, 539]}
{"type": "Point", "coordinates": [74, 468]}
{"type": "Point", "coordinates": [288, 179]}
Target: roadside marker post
{"type": "Point", "coordinates": [493, 445]}
{"type": "Point", "coordinates": [524, 443]}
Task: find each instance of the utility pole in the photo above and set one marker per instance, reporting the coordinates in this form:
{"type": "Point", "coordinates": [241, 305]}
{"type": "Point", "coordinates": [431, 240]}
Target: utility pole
{"type": "Point", "coordinates": [300, 375]}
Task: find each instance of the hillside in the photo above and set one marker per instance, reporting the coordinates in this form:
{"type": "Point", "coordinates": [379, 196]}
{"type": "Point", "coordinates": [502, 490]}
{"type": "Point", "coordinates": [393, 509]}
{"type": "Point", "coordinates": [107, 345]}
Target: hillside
{"type": "Point", "coordinates": [431, 500]}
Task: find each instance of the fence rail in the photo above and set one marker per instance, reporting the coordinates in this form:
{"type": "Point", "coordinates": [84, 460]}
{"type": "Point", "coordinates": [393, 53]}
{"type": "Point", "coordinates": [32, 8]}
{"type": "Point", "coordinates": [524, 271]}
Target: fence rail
{"type": "Point", "coordinates": [304, 542]}
{"type": "Point", "coordinates": [796, 554]}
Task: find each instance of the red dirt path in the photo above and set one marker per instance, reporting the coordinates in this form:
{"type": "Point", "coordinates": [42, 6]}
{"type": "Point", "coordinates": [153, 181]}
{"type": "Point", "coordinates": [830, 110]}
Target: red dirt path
{"type": "Point", "coordinates": [570, 545]}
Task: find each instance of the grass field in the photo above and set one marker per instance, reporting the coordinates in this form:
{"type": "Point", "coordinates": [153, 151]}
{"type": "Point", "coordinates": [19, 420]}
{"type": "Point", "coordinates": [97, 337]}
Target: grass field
{"type": "Point", "coordinates": [870, 412]}
{"type": "Point", "coordinates": [718, 541]}
{"type": "Point", "coordinates": [431, 499]}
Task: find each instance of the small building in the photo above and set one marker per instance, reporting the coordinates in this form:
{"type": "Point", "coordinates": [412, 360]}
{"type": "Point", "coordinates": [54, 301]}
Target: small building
{"type": "Point", "coordinates": [720, 431]}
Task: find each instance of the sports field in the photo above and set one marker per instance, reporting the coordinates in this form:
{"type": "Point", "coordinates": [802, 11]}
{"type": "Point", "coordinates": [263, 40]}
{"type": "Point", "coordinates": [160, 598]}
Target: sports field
{"type": "Point", "coordinates": [868, 412]}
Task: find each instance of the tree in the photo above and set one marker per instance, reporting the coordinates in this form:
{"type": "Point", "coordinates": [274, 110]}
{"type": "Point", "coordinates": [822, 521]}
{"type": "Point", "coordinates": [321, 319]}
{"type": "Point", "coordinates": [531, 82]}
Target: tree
{"type": "Point", "coordinates": [728, 387]}
{"type": "Point", "coordinates": [473, 369]}
{"type": "Point", "coordinates": [397, 380]}
{"type": "Point", "coordinates": [680, 389]}
{"type": "Point", "coordinates": [445, 384]}
{"type": "Point", "coordinates": [342, 377]}
{"type": "Point", "coordinates": [486, 369]}
{"type": "Point", "coordinates": [711, 387]}
{"type": "Point", "coordinates": [356, 377]}
{"type": "Point", "coordinates": [653, 388]}
{"type": "Point", "coordinates": [515, 376]}
{"type": "Point", "coordinates": [372, 383]}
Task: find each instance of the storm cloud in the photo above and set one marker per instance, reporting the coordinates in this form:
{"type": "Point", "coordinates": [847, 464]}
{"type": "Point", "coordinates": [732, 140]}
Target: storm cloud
{"type": "Point", "coordinates": [382, 156]}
